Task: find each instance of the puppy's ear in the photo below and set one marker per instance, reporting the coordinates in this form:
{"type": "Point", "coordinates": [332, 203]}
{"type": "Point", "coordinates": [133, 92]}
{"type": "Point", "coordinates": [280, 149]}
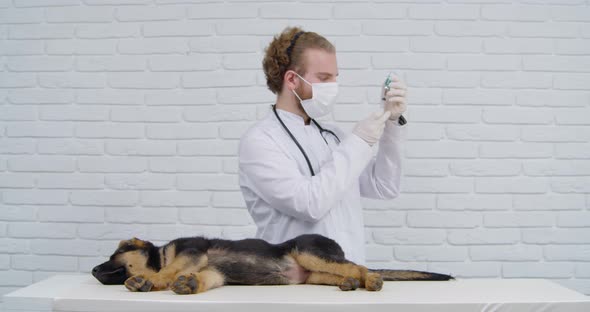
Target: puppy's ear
{"type": "Point", "coordinates": [131, 242]}
{"type": "Point", "coordinates": [134, 242]}
{"type": "Point", "coordinates": [138, 242]}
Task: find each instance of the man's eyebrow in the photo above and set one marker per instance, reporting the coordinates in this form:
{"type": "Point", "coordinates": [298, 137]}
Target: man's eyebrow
{"type": "Point", "coordinates": [327, 74]}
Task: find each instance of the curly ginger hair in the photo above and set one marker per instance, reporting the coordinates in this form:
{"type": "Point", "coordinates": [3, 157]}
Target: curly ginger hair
{"type": "Point", "coordinates": [285, 52]}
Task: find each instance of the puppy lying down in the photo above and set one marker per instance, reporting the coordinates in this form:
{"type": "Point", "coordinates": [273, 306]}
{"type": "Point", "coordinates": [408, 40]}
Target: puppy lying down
{"type": "Point", "coordinates": [196, 264]}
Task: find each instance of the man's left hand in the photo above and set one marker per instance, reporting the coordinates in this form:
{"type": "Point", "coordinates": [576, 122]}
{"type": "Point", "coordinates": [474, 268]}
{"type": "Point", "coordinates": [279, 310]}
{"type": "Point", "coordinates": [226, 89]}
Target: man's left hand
{"type": "Point", "coordinates": [395, 98]}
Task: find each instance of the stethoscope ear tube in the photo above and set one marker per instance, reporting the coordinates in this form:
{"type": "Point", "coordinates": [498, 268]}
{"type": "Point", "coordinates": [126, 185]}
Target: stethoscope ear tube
{"type": "Point", "coordinates": [274, 109]}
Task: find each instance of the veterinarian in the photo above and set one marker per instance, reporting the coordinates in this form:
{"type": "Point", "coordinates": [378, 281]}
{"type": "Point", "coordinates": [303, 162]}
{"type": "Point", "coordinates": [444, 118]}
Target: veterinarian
{"type": "Point", "coordinates": [301, 176]}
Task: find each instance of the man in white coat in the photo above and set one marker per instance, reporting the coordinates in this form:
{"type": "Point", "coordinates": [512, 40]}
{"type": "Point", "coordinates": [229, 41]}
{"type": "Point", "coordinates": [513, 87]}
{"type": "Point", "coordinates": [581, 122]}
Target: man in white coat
{"type": "Point", "coordinates": [300, 177]}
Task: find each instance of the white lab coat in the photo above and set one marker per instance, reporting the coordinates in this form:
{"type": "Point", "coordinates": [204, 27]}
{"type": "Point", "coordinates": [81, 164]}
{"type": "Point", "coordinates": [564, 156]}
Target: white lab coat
{"type": "Point", "coordinates": [286, 201]}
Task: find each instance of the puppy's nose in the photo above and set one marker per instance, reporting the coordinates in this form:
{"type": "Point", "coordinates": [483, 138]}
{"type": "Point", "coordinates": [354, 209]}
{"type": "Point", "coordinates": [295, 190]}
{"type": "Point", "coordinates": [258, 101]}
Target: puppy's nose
{"type": "Point", "coordinates": [95, 271]}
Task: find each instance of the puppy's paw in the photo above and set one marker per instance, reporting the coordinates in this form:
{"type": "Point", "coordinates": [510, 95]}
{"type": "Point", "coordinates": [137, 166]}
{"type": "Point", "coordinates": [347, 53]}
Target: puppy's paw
{"type": "Point", "coordinates": [373, 282]}
{"type": "Point", "coordinates": [138, 283]}
{"type": "Point", "coordinates": [186, 284]}
{"type": "Point", "coordinates": [349, 283]}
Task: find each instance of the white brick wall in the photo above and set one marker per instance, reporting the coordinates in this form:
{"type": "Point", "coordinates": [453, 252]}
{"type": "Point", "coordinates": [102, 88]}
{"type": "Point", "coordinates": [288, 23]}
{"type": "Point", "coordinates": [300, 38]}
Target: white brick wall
{"type": "Point", "coordinates": [121, 118]}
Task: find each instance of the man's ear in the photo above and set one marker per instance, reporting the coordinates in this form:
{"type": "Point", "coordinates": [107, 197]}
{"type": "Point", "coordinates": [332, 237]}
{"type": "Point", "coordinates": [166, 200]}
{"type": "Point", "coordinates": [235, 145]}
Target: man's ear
{"type": "Point", "coordinates": [291, 80]}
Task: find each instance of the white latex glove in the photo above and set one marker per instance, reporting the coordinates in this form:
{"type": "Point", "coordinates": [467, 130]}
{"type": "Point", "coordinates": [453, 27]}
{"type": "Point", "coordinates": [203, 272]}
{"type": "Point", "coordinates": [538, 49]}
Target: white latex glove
{"type": "Point", "coordinates": [394, 96]}
{"type": "Point", "coordinates": [371, 128]}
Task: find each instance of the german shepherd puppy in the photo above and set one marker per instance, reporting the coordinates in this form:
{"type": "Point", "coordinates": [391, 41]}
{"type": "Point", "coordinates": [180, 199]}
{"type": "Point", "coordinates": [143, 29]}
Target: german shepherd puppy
{"type": "Point", "coordinates": [196, 264]}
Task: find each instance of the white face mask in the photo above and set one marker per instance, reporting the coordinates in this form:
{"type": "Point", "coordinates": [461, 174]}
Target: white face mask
{"type": "Point", "coordinates": [322, 99]}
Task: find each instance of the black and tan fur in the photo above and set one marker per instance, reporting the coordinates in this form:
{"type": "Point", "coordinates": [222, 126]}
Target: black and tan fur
{"type": "Point", "coordinates": [196, 264]}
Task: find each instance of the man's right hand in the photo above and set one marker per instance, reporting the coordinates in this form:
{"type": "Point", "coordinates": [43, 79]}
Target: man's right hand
{"type": "Point", "coordinates": [371, 128]}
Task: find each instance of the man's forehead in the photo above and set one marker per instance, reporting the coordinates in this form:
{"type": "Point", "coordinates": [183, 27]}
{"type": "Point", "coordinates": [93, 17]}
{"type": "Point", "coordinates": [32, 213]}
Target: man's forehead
{"type": "Point", "coordinates": [321, 62]}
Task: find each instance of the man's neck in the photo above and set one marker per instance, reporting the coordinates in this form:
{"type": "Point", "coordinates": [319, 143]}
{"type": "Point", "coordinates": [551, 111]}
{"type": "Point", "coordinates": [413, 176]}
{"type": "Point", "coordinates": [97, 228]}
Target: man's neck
{"type": "Point", "coordinates": [291, 105]}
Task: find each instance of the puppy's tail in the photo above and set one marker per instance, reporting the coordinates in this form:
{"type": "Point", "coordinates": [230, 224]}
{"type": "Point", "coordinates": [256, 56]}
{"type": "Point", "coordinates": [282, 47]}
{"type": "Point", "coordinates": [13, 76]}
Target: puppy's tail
{"type": "Point", "coordinates": [404, 275]}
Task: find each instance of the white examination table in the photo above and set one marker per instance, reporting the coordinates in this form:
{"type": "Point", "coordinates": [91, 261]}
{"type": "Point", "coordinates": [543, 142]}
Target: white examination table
{"type": "Point", "coordinates": [84, 293]}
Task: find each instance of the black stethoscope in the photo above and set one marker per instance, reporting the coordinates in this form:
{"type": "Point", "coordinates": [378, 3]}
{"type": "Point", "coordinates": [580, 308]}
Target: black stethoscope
{"type": "Point", "coordinates": [322, 130]}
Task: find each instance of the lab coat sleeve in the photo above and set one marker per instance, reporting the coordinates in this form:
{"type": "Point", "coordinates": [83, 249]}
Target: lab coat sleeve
{"type": "Point", "coordinates": [274, 176]}
{"type": "Point", "coordinates": [381, 177]}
